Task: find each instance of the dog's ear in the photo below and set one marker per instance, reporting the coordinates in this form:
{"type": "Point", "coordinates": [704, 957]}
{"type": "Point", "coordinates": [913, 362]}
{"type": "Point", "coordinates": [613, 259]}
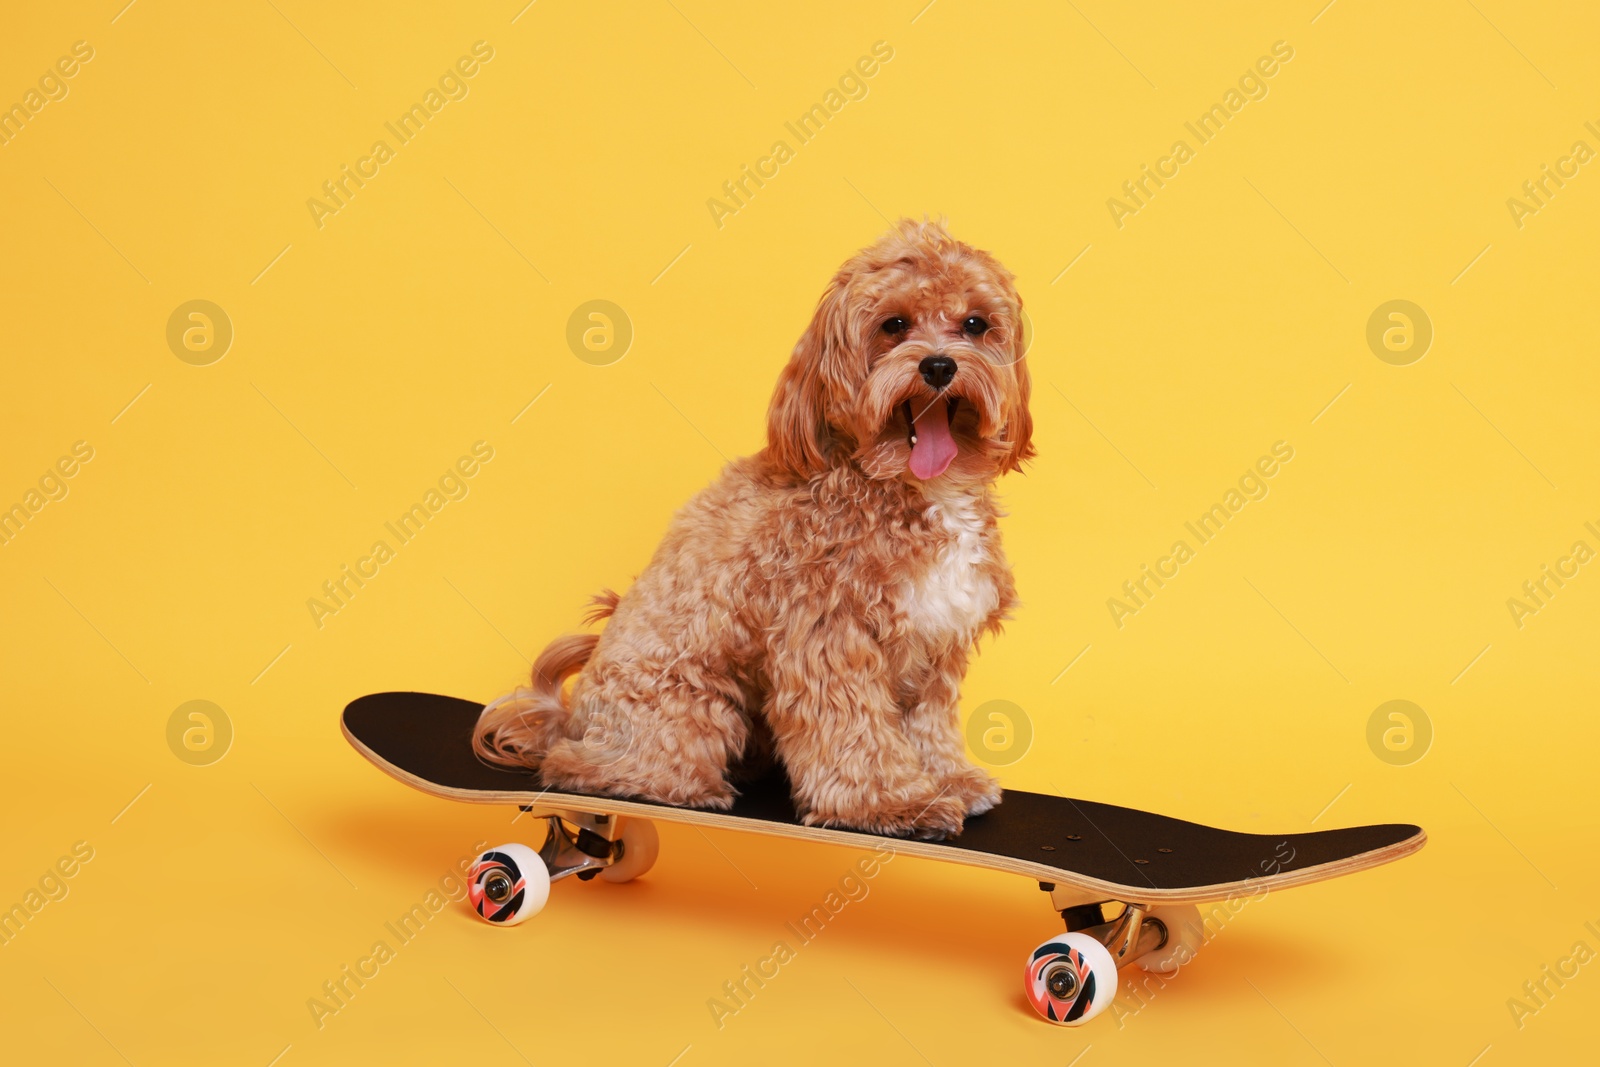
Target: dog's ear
{"type": "Point", "coordinates": [1019, 426]}
{"type": "Point", "coordinates": [797, 422]}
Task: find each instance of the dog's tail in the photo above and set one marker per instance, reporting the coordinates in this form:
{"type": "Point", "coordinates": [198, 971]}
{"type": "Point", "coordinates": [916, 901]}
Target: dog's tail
{"type": "Point", "coordinates": [519, 728]}
{"type": "Point", "coordinates": [602, 605]}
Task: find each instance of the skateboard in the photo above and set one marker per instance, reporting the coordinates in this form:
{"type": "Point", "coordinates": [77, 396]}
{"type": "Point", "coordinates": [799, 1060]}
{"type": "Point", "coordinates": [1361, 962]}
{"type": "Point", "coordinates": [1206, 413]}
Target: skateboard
{"type": "Point", "coordinates": [1126, 882]}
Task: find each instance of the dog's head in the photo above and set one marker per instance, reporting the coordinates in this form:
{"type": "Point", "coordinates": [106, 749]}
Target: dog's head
{"type": "Point", "coordinates": [913, 366]}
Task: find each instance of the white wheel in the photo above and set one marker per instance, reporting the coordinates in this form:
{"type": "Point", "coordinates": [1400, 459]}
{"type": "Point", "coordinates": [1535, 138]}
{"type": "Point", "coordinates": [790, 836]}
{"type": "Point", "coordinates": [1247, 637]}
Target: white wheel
{"type": "Point", "coordinates": [1070, 979]}
{"type": "Point", "coordinates": [1186, 932]}
{"type": "Point", "coordinates": [640, 847]}
{"type": "Point", "coordinates": [509, 884]}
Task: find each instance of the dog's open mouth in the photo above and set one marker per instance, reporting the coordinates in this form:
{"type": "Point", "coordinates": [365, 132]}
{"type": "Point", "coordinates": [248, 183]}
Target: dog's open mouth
{"type": "Point", "coordinates": [933, 447]}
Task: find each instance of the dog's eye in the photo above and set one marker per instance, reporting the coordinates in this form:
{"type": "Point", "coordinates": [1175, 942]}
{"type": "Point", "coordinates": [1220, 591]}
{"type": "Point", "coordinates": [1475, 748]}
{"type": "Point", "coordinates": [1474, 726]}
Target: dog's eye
{"type": "Point", "coordinates": [895, 325]}
{"type": "Point", "coordinates": [975, 325]}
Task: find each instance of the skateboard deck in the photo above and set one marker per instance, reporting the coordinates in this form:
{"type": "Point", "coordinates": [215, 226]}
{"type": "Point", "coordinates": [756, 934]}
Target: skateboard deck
{"type": "Point", "coordinates": [1101, 851]}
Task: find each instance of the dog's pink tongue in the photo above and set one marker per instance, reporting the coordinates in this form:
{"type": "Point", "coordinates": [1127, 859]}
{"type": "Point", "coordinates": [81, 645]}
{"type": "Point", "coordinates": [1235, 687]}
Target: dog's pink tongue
{"type": "Point", "coordinates": [935, 448]}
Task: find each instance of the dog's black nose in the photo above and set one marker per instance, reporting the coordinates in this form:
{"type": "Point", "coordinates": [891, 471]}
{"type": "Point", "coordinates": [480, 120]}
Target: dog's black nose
{"type": "Point", "coordinates": [937, 371]}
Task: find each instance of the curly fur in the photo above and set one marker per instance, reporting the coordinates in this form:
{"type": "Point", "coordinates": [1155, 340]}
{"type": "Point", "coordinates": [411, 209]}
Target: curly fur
{"type": "Point", "coordinates": [817, 603]}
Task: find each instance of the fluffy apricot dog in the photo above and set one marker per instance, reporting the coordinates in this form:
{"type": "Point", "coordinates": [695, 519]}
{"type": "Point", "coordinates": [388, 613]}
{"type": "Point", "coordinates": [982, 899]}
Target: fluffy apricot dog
{"type": "Point", "coordinates": [818, 602]}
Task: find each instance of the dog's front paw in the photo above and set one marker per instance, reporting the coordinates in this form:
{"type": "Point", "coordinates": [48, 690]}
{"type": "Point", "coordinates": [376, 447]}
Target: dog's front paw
{"type": "Point", "coordinates": [931, 818]}
{"type": "Point", "coordinates": [938, 819]}
{"type": "Point", "coordinates": [977, 790]}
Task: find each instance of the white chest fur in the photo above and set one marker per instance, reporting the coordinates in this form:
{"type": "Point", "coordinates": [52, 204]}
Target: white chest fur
{"type": "Point", "coordinates": [953, 594]}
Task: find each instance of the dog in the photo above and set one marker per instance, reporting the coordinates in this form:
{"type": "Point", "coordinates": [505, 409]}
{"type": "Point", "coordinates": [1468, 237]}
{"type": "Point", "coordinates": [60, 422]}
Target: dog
{"type": "Point", "coordinates": [816, 605]}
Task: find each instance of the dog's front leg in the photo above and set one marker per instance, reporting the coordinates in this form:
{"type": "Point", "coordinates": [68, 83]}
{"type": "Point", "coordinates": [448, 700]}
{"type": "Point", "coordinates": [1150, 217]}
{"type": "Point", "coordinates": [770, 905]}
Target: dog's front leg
{"type": "Point", "coordinates": [836, 728]}
{"type": "Point", "coordinates": [932, 725]}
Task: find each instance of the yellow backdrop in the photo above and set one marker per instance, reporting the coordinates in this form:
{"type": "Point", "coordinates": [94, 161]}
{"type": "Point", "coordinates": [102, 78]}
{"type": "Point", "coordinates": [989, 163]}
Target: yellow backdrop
{"type": "Point", "coordinates": [273, 269]}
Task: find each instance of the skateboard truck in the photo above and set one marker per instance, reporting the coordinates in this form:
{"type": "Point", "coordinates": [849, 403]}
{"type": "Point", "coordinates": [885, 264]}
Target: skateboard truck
{"type": "Point", "coordinates": [1129, 933]}
{"type": "Point", "coordinates": [577, 842]}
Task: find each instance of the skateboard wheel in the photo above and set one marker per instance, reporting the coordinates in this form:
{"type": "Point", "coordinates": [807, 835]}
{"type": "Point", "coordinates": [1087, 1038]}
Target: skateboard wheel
{"type": "Point", "coordinates": [1070, 979]}
{"type": "Point", "coordinates": [509, 884]}
{"type": "Point", "coordinates": [640, 847]}
{"type": "Point", "coordinates": [1186, 932]}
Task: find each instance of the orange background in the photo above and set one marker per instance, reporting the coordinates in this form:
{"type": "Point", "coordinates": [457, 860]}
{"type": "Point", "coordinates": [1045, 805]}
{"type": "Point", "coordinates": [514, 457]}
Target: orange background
{"type": "Point", "coordinates": [1228, 313]}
